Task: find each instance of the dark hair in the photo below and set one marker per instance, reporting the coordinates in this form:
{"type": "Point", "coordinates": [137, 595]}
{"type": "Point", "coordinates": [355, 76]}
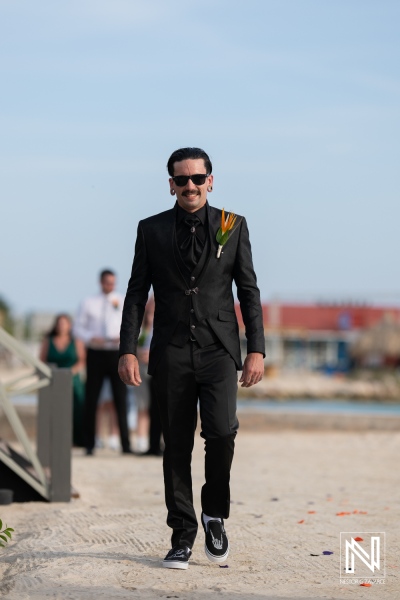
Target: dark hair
{"type": "Point", "coordinates": [106, 272]}
{"type": "Point", "coordinates": [54, 330]}
{"type": "Point", "coordinates": [188, 153]}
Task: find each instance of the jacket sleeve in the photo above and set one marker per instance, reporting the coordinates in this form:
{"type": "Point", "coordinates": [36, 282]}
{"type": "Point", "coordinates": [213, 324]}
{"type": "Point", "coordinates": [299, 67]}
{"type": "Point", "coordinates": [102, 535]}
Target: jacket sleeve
{"type": "Point", "coordinates": [136, 297]}
{"type": "Point", "coordinates": [248, 293]}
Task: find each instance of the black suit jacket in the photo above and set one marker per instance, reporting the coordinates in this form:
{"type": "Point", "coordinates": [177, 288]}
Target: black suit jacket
{"type": "Point", "coordinates": [155, 263]}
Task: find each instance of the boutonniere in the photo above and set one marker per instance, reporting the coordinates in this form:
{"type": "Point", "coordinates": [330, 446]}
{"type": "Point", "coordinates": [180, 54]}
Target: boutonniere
{"type": "Point", "coordinates": [115, 303]}
{"type": "Point", "coordinates": [225, 231]}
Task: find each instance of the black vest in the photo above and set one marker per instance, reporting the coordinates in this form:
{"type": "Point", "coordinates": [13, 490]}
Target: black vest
{"type": "Point", "coordinates": [189, 327]}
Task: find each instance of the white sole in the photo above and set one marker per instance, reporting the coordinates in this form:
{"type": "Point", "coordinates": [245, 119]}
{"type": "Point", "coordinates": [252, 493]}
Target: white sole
{"type": "Point", "coordinates": [216, 559]}
{"type": "Point", "coordinates": [175, 564]}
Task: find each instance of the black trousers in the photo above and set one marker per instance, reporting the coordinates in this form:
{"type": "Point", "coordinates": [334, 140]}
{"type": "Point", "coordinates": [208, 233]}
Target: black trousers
{"type": "Point", "coordinates": [101, 364]}
{"type": "Point", "coordinates": [183, 377]}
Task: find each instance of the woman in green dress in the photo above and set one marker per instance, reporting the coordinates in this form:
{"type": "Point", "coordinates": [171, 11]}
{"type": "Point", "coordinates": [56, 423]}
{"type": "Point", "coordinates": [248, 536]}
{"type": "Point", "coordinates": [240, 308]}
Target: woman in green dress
{"type": "Point", "coordinates": [61, 349]}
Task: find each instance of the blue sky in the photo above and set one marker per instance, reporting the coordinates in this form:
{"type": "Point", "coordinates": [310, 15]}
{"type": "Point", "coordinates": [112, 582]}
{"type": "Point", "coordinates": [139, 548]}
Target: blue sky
{"type": "Point", "coordinates": [296, 101]}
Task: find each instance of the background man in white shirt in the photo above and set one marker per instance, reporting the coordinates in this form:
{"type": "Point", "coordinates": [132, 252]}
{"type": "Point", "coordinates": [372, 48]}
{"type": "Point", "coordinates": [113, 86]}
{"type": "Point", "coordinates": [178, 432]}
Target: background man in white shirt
{"type": "Point", "coordinates": [98, 324]}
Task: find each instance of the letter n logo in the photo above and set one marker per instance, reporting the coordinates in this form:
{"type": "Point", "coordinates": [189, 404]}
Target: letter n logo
{"type": "Point", "coordinates": [353, 549]}
{"type": "Point", "coordinates": [362, 553]}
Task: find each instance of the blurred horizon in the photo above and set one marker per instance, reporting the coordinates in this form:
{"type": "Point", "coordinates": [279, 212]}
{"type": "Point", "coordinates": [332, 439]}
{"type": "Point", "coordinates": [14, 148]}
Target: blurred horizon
{"type": "Point", "coordinates": [297, 105]}
{"type": "Point", "coordinates": [386, 302]}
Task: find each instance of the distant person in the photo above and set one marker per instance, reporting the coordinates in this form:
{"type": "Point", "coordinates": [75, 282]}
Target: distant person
{"type": "Point", "coordinates": [149, 431]}
{"type": "Point", "coordinates": [142, 397]}
{"type": "Point", "coordinates": [106, 419]}
{"type": "Point", "coordinates": [60, 348]}
{"type": "Point", "coordinates": [98, 324]}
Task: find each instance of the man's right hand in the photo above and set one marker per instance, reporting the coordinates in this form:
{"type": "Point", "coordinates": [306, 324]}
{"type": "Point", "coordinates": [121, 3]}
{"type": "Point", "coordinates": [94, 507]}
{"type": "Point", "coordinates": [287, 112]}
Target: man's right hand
{"type": "Point", "coordinates": [128, 369]}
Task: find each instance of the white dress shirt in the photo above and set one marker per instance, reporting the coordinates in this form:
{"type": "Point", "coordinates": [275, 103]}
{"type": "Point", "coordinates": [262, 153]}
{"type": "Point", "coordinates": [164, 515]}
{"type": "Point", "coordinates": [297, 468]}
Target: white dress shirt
{"type": "Point", "coordinates": [100, 317]}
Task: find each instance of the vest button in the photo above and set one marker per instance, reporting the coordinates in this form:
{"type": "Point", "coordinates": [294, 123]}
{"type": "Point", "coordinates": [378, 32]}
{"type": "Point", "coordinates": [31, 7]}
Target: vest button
{"type": "Point", "coordinates": [192, 278]}
{"type": "Point", "coordinates": [193, 327]}
{"type": "Point", "coordinates": [192, 310]}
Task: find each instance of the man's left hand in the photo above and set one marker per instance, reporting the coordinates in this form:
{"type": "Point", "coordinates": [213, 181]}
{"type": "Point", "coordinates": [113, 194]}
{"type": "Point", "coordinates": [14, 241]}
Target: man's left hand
{"type": "Point", "coordinates": [253, 369]}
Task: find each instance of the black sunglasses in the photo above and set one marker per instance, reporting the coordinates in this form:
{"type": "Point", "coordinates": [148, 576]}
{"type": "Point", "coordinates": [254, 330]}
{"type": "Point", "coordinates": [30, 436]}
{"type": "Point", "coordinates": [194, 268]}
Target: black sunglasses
{"type": "Point", "coordinates": [181, 180]}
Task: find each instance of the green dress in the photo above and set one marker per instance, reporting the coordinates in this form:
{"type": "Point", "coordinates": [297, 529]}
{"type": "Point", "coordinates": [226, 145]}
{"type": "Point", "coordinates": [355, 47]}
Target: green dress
{"type": "Point", "coordinates": [65, 359]}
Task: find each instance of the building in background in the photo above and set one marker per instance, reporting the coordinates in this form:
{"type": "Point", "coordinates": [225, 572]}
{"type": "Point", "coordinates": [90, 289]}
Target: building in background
{"type": "Point", "coordinates": [324, 336]}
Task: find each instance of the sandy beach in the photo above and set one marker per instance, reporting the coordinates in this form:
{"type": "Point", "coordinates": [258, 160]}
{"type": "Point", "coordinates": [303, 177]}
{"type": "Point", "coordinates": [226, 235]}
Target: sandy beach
{"type": "Point", "coordinates": [109, 543]}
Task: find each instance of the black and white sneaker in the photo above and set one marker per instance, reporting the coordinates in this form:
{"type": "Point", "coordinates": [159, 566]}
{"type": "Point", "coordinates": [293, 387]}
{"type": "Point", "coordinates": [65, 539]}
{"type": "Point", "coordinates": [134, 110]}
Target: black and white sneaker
{"type": "Point", "coordinates": [177, 558]}
{"type": "Point", "coordinates": [216, 544]}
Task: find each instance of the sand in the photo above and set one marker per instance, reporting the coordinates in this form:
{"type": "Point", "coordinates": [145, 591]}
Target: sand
{"type": "Point", "coordinates": [109, 543]}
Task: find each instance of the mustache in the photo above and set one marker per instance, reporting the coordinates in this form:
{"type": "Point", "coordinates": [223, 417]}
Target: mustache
{"type": "Point", "coordinates": [190, 193]}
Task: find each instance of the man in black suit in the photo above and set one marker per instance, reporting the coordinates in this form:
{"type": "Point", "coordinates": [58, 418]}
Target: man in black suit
{"type": "Point", "coordinates": [195, 350]}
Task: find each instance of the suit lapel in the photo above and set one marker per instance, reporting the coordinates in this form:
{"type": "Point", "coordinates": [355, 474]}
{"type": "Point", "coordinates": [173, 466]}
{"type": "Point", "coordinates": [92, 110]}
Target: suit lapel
{"type": "Point", "coordinates": [179, 264]}
{"type": "Point", "coordinates": [163, 242]}
{"type": "Point", "coordinates": [213, 225]}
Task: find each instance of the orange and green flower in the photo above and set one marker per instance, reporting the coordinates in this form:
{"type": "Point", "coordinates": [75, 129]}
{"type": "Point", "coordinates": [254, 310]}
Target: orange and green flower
{"type": "Point", "coordinates": [226, 229]}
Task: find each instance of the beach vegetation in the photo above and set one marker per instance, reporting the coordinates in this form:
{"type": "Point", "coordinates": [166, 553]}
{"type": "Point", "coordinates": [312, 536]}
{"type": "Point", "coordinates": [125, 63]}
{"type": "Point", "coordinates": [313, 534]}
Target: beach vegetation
{"type": "Point", "coordinates": [5, 534]}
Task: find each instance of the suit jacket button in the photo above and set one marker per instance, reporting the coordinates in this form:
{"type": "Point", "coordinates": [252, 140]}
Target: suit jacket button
{"type": "Point", "coordinates": [193, 327]}
{"type": "Point", "coordinates": [192, 310]}
{"type": "Point", "coordinates": [192, 278]}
